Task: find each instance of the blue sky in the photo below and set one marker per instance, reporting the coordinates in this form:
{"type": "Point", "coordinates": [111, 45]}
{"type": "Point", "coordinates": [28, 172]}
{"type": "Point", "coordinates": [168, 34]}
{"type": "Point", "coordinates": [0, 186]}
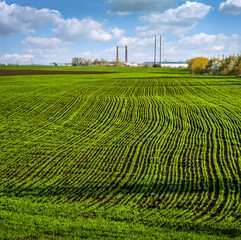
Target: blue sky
{"type": "Point", "coordinates": [56, 31]}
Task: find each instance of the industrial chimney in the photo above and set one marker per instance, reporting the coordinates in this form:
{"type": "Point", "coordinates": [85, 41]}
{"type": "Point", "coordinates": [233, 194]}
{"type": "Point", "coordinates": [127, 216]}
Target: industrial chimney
{"type": "Point", "coordinates": [160, 51]}
{"type": "Point", "coordinates": [155, 51]}
{"type": "Point", "coordinates": [117, 54]}
{"type": "Point", "coordinates": [126, 55]}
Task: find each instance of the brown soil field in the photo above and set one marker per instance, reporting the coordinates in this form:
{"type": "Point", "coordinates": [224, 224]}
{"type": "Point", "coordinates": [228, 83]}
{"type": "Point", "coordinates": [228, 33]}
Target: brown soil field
{"type": "Point", "coordinates": [40, 72]}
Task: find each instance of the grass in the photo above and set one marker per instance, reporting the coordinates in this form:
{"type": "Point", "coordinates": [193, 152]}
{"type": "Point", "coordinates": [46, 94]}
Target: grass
{"type": "Point", "coordinates": [137, 154]}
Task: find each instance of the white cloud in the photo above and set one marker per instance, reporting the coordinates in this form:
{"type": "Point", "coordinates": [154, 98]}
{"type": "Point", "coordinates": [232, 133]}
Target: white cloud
{"type": "Point", "coordinates": [108, 54]}
{"type": "Point", "coordinates": [37, 45]}
{"type": "Point", "coordinates": [202, 45]}
{"type": "Point", "coordinates": [123, 7]}
{"type": "Point", "coordinates": [136, 42]}
{"type": "Point", "coordinates": [21, 20]}
{"type": "Point", "coordinates": [117, 33]}
{"type": "Point", "coordinates": [13, 58]}
{"type": "Point", "coordinates": [174, 21]}
{"type": "Point", "coordinates": [85, 29]}
{"type": "Point", "coordinates": [26, 20]}
{"type": "Point", "coordinates": [232, 7]}
{"type": "Point", "coordinates": [45, 50]}
{"type": "Point", "coordinates": [206, 41]}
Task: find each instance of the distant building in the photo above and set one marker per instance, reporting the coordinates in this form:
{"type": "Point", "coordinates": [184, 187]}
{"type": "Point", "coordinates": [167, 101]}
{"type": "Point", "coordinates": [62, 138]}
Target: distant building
{"type": "Point", "coordinates": [133, 64]}
{"type": "Point", "coordinates": [169, 64]}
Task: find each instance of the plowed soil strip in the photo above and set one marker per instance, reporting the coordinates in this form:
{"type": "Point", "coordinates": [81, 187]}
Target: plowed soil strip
{"type": "Point", "coordinates": [40, 72]}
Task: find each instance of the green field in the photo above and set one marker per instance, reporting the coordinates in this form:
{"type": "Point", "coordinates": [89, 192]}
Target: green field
{"type": "Point", "coordinates": [142, 153]}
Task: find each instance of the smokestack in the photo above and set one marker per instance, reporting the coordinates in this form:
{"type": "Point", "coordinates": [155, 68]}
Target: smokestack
{"type": "Point", "coordinates": [117, 54]}
{"type": "Point", "coordinates": [155, 51]}
{"type": "Point", "coordinates": [160, 51]}
{"type": "Point", "coordinates": [126, 55]}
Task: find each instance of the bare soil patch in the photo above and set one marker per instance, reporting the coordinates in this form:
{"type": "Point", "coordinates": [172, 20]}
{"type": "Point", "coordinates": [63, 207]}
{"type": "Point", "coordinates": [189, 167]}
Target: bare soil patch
{"type": "Point", "coordinates": [41, 72]}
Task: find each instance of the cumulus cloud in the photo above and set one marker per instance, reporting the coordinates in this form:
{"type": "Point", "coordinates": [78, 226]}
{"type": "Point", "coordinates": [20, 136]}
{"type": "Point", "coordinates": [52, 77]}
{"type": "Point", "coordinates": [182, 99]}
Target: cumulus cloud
{"type": "Point", "coordinates": [136, 42]}
{"type": "Point", "coordinates": [13, 58]}
{"type": "Point", "coordinates": [232, 7]}
{"type": "Point", "coordinates": [44, 46]}
{"type": "Point", "coordinates": [174, 21]}
{"type": "Point", "coordinates": [123, 7]}
{"type": "Point", "coordinates": [21, 20]}
{"type": "Point", "coordinates": [108, 54]}
{"type": "Point", "coordinates": [202, 45]}
{"type": "Point", "coordinates": [85, 29]}
{"type": "Point", "coordinates": [204, 40]}
{"type": "Point", "coordinates": [26, 20]}
{"type": "Point", "coordinates": [117, 33]}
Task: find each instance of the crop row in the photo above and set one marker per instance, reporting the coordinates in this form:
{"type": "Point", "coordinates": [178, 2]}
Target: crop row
{"type": "Point", "coordinates": [164, 144]}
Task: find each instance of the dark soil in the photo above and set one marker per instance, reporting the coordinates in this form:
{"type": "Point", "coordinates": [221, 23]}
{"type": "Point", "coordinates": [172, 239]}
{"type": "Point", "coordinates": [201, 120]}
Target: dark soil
{"type": "Point", "coordinates": [41, 72]}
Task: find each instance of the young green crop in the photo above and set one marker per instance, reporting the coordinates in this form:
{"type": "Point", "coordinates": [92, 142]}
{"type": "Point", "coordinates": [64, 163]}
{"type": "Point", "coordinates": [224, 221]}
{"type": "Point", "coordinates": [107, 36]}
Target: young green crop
{"type": "Point", "coordinates": [139, 153]}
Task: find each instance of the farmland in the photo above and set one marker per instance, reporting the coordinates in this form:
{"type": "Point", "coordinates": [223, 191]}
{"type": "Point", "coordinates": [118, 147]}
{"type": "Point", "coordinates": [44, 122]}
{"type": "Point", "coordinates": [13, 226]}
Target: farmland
{"type": "Point", "coordinates": [136, 153]}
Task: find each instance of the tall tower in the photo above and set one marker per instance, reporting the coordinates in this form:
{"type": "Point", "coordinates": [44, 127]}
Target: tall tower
{"type": "Point", "coordinates": [117, 54]}
{"type": "Point", "coordinates": [160, 51]}
{"type": "Point", "coordinates": [126, 54]}
{"type": "Point", "coordinates": [155, 51]}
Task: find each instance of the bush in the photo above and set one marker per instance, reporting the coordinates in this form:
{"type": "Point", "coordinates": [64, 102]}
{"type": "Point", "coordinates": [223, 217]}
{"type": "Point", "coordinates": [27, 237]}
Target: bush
{"type": "Point", "coordinates": [147, 65]}
{"type": "Point", "coordinates": [228, 65]}
{"type": "Point", "coordinates": [197, 65]}
{"type": "Point", "coordinates": [118, 64]}
{"type": "Point", "coordinates": [156, 65]}
{"type": "Point", "coordinates": [225, 71]}
{"type": "Point", "coordinates": [213, 66]}
{"type": "Point", "coordinates": [238, 69]}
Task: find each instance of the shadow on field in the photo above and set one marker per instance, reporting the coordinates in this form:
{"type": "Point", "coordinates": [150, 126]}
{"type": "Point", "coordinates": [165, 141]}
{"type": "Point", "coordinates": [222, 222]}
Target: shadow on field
{"type": "Point", "coordinates": [94, 189]}
{"type": "Point", "coordinates": [154, 196]}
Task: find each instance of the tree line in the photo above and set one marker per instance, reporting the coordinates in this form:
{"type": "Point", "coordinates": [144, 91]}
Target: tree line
{"type": "Point", "coordinates": [88, 62]}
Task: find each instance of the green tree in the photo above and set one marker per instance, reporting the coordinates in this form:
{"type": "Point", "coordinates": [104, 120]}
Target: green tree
{"type": "Point", "coordinates": [197, 65]}
{"type": "Point", "coordinates": [75, 61]}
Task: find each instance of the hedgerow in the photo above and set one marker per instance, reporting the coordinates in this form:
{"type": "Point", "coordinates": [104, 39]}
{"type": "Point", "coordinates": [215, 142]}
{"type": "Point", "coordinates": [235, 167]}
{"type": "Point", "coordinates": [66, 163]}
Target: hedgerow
{"type": "Point", "coordinates": [228, 66]}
